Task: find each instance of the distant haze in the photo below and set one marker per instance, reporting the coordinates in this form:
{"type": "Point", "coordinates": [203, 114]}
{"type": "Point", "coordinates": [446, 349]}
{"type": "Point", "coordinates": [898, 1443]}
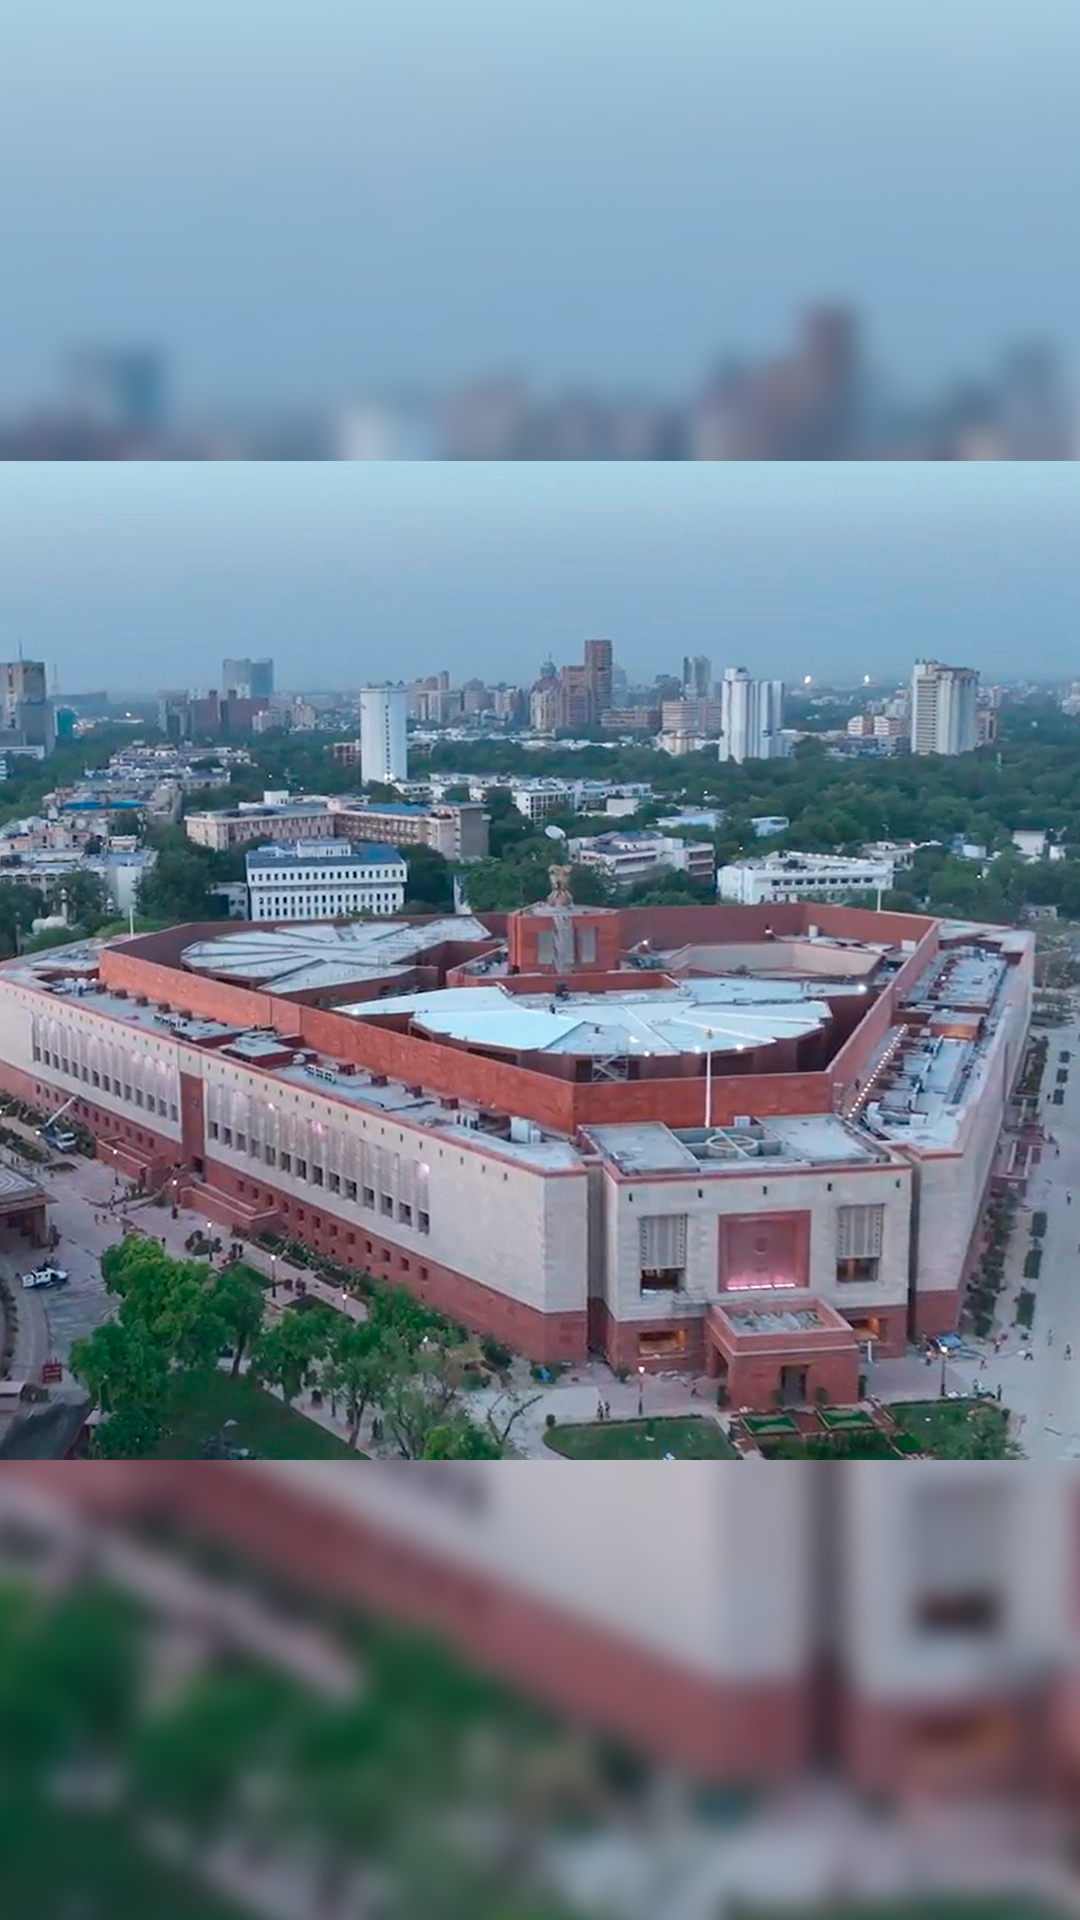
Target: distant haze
{"type": "Point", "coordinates": [140, 577]}
{"type": "Point", "coordinates": [318, 202]}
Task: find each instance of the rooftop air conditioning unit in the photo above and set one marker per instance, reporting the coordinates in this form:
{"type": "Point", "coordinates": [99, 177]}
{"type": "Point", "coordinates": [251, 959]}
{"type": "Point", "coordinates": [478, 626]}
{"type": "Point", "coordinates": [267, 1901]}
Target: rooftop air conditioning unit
{"type": "Point", "coordinates": [742, 1120]}
{"type": "Point", "coordinates": [467, 1119]}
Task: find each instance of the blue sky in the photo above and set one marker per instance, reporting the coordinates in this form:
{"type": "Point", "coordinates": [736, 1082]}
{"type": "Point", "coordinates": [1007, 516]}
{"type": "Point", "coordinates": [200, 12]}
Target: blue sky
{"type": "Point", "coordinates": [316, 201]}
{"type": "Point", "coordinates": [136, 577]}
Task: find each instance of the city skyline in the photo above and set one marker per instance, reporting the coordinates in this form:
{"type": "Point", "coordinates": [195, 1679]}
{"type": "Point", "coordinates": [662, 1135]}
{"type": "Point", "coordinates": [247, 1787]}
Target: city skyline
{"type": "Point", "coordinates": [151, 576]}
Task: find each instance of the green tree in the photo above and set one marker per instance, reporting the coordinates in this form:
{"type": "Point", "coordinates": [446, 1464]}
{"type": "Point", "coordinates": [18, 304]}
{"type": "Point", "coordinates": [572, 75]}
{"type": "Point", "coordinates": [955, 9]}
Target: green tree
{"type": "Point", "coordinates": [125, 1374]}
{"type": "Point", "coordinates": [430, 881]}
{"type": "Point", "coordinates": [362, 1359]}
{"type": "Point", "coordinates": [237, 1298]}
{"type": "Point", "coordinates": [288, 1350]}
{"type": "Point", "coordinates": [173, 1301]}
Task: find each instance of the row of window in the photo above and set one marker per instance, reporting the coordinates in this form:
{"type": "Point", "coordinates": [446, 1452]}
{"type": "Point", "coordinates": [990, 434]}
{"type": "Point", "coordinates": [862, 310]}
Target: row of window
{"type": "Point", "coordinates": [298, 1168]}
{"type": "Point", "coordinates": [364, 876]}
{"type": "Point", "coordinates": [109, 1083]}
{"type": "Point", "coordinates": [308, 906]}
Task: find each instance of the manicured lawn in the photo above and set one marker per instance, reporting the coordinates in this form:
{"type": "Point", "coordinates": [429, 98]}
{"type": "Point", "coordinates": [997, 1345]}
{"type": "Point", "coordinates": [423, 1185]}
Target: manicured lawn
{"type": "Point", "coordinates": [932, 1421]}
{"type": "Point", "coordinates": [688, 1438]}
{"type": "Point", "coordinates": [200, 1405]}
{"type": "Point", "coordinates": [759, 1423]}
{"type": "Point", "coordinates": [59, 1864]}
{"type": "Point", "coordinates": [852, 1443]}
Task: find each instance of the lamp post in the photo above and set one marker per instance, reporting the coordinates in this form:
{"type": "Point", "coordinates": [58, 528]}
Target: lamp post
{"type": "Point", "coordinates": [640, 1391]}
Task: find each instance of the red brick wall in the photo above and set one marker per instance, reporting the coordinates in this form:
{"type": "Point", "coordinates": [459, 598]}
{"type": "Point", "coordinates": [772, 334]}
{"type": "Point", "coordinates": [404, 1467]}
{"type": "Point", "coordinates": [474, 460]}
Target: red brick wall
{"type": "Point", "coordinates": [191, 1118]}
{"type": "Point", "coordinates": [719, 1730]}
{"type": "Point", "coordinates": [753, 1380]}
{"type": "Point", "coordinates": [854, 1056]}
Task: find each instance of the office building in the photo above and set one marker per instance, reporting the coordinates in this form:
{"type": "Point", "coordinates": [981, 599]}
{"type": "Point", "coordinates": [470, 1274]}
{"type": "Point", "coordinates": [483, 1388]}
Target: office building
{"type": "Point", "coordinates": [624, 859]}
{"type": "Point", "coordinates": [456, 829]}
{"type": "Point", "coordinates": [247, 679]}
{"type": "Point", "coordinates": [325, 880]}
{"type": "Point", "coordinates": [26, 712]}
{"type": "Point", "coordinates": [803, 876]}
{"type": "Point", "coordinates": [944, 705]}
{"type": "Point", "coordinates": [383, 735]}
{"type": "Point", "coordinates": [696, 677]}
{"type": "Point", "coordinates": [751, 717]}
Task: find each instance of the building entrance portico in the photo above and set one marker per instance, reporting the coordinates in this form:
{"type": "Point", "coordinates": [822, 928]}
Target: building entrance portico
{"type": "Point", "coordinates": [786, 1350]}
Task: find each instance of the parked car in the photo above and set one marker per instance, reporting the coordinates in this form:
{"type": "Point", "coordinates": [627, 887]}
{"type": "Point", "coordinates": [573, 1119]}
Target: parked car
{"type": "Point", "coordinates": [46, 1277]}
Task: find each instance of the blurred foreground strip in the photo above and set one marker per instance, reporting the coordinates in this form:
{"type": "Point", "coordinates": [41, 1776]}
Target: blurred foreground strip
{"type": "Point", "coordinates": [504, 1693]}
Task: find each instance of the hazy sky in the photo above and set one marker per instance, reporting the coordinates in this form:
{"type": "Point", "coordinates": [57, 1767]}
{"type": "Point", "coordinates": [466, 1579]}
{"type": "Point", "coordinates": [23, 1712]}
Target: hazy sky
{"type": "Point", "coordinates": [136, 577]}
{"type": "Point", "coordinates": [318, 199]}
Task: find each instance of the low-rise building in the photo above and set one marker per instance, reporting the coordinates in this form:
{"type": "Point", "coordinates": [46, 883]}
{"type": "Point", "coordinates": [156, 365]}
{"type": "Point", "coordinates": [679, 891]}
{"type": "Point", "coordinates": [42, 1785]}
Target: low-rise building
{"type": "Point", "coordinates": [802, 876]}
{"type": "Point", "coordinates": [626, 858]}
{"type": "Point", "coordinates": [327, 880]}
{"type": "Point", "coordinates": [458, 830]}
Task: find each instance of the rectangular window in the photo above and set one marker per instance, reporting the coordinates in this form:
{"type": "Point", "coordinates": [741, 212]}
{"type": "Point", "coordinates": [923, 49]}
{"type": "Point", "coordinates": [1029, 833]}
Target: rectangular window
{"type": "Point", "coordinates": [958, 1559]}
{"type": "Point", "coordinates": [226, 1136]}
{"type": "Point", "coordinates": [241, 1143]}
{"type": "Point", "coordinates": [286, 1161]}
{"type": "Point", "coordinates": [317, 1176]}
{"type": "Point", "coordinates": [333, 1181]}
{"type": "Point", "coordinates": [423, 1221]}
{"type": "Point", "coordinates": [127, 1091]}
{"type": "Point", "coordinates": [404, 1213]}
{"type": "Point", "coordinates": [173, 1113]}
{"type": "Point", "coordinates": [662, 1252]}
{"type": "Point", "coordinates": [350, 1189]}
{"type": "Point", "coordinates": [386, 1205]}
{"type": "Point", "coordinates": [212, 1129]}
{"type": "Point", "coordinates": [270, 1156]}
{"type": "Point", "coordinates": [301, 1169]}
{"type": "Point", "coordinates": [96, 1077]}
{"type": "Point", "coordinates": [859, 1234]}
{"type": "Point", "coordinates": [138, 1096]}
{"type": "Point", "coordinates": [369, 1196]}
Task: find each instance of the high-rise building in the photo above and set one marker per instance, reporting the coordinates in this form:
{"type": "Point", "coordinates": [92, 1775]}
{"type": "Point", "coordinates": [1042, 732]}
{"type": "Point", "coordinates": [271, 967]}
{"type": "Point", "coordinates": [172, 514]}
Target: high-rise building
{"type": "Point", "coordinates": [697, 677]}
{"type": "Point", "coordinates": [582, 693]}
{"type": "Point", "coordinates": [25, 707]}
{"type": "Point", "coordinates": [943, 708]}
{"type": "Point", "coordinates": [751, 716]}
{"type": "Point", "coordinates": [383, 741]}
{"type": "Point", "coordinates": [247, 679]}
{"type": "Point", "coordinates": [598, 667]}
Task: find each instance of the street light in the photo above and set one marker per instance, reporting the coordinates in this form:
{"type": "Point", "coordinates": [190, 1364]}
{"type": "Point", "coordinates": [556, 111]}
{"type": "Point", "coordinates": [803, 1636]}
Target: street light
{"type": "Point", "coordinates": [640, 1391]}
